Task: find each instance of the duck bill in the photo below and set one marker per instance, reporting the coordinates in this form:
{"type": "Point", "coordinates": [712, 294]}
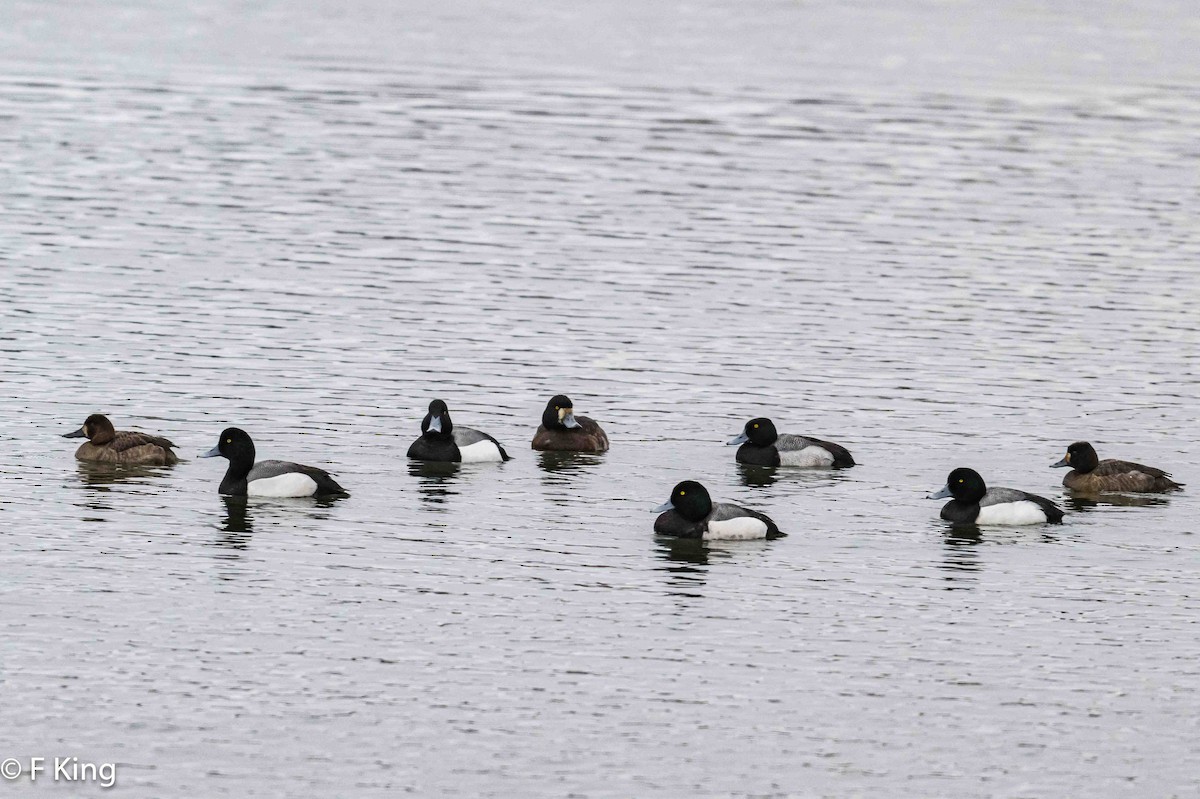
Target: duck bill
{"type": "Point", "coordinates": [75, 434]}
{"type": "Point", "coordinates": [663, 508]}
{"type": "Point", "coordinates": [942, 494]}
{"type": "Point", "coordinates": [212, 453]}
{"type": "Point", "coordinates": [568, 420]}
{"type": "Point", "coordinates": [1064, 462]}
{"type": "Point", "coordinates": [435, 425]}
{"type": "Point", "coordinates": [741, 438]}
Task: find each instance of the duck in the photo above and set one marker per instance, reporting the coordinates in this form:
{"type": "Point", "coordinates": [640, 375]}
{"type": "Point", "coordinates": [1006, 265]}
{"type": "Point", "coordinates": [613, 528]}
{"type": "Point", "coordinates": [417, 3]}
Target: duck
{"type": "Point", "coordinates": [442, 442]}
{"type": "Point", "coordinates": [562, 431]}
{"type": "Point", "coordinates": [761, 445]}
{"type": "Point", "coordinates": [690, 513]}
{"type": "Point", "coordinates": [974, 503]}
{"type": "Point", "coordinates": [1089, 474]}
{"type": "Point", "coordinates": [108, 445]}
{"type": "Point", "coordinates": [245, 478]}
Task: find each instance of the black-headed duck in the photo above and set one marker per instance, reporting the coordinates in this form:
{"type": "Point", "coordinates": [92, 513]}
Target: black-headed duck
{"type": "Point", "coordinates": [762, 446]}
{"type": "Point", "coordinates": [442, 441]}
{"type": "Point", "coordinates": [245, 478]}
{"type": "Point", "coordinates": [974, 503]}
{"type": "Point", "coordinates": [690, 513]}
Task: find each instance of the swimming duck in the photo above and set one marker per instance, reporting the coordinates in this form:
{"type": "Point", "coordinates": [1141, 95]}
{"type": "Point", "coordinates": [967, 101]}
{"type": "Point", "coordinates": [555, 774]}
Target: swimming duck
{"type": "Point", "coordinates": [1089, 474]}
{"type": "Point", "coordinates": [443, 442]}
{"type": "Point", "coordinates": [974, 503]}
{"type": "Point", "coordinates": [106, 445]}
{"type": "Point", "coordinates": [690, 513]}
{"type": "Point", "coordinates": [562, 431]}
{"type": "Point", "coordinates": [244, 477]}
{"type": "Point", "coordinates": [762, 446]}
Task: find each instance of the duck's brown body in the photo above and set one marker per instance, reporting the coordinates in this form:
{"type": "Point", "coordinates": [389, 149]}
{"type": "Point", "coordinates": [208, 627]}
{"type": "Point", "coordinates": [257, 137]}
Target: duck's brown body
{"type": "Point", "coordinates": [1120, 476]}
{"type": "Point", "coordinates": [562, 431]}
{"type": "Point", "coordinates": [588, 437]}
{"type": "Point", "coordinates": [1090, 475]}
{"type": "Point", "coordinates": [106, 445]}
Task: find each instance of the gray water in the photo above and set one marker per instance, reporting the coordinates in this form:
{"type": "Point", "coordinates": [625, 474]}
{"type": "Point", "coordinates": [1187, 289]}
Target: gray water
{"type": "Point", "coordinates": [940, 234]}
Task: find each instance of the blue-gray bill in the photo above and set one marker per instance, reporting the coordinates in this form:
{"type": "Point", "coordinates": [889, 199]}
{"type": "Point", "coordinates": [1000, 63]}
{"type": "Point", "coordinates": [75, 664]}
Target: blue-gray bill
{"type": "Point", "coordinates": [1060, 464]}
{"type": "Point", "coordinates": [212, 453]}
{"type": "Point", "coordinates": [75, 434]}
{"type": "Point", "coordinates": [663, 508]}
{"type": "Point", "coordinates": [435, 424]}
{"type": "Point", "coordinates": [569, 421]}
{"type": "Point", "coordinates": [942, 494]}
{"type": "Point", "coordinates": [741, 438]}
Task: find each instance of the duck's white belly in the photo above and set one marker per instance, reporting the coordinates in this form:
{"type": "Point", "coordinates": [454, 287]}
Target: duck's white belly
{"type": "Point", "coordinates": [480, 452]}
{"type": "Point", "coordinates": [292, 484]}
{"type": "Point", "coordinates": [809, 456]}
{"type": "Point", "coordinates": [739, 529]}
{"type": "Point", "coordinates": [1023, 512]}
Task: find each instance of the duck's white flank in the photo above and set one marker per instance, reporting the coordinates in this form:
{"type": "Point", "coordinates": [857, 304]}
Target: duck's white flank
{"type": "Point", "coordinates": [292, 484]}
{"type": "Point", "coordinates": [741, 528]}
{"type": "Point", "coordinates": [1022, 512]}
{"type": "Point", "coordinates": [480, 452]}
{"type": "Point", "coordinates": [809, 456]}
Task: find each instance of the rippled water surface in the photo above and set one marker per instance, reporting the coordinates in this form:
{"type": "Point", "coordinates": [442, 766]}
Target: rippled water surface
{"type": "Point", "coordinates": [940, 234]}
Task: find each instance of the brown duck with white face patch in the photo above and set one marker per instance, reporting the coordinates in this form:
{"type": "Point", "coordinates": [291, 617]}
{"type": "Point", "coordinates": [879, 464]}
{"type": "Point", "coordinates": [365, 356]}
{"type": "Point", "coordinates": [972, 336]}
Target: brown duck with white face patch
{"type": "Point", "coordinates": [107, 445]}
{"type": "Point", "coordinates": [1091, 475]}
{"type": "Point", "coordinates": [562, 431]}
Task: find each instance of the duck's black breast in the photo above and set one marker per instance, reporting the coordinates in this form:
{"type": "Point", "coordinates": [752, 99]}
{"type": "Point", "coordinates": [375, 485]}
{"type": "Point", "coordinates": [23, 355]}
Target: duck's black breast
{"type": "Point", "coordinates": [959, 512]}
{"type": "Point", "coordinates": [754, 455]}
{"type": "Point", "coordinates": [431, 448]}
{"type": "Point", "coordinates": [672, 523]}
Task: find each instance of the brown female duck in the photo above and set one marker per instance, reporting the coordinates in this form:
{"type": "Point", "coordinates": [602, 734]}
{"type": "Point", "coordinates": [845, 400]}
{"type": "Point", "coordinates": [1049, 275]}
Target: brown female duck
{"type": "Point", "coordinates": [106, 445]}
{"type": "Point", "coordinates": [1091, 475]}
{"type": "Point", "coordinates": [562, 431]}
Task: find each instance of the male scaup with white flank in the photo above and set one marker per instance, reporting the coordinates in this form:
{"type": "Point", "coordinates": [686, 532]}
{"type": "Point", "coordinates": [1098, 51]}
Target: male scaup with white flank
{"type": "Point", "coordinates": [690, 513]}
{"type": "Point", "coordinates": [442, 442]}
{"type": "Point", "coordinates": [562, 431]}
{"type": "Point", "coordinates": [974, 503]}
{"type": "Point", "coordinates": [107, 445]}
{"type": "Point", "coordinates": [1089, 474]}
{"type": "Point", "coordinates": [245, 478]}
{"type": "Point", "coordinates": [762, 446]}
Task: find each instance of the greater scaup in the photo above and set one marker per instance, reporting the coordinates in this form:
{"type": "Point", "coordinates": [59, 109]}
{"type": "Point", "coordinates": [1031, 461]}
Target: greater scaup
{"type": "Point", "coordinates": [244, 477]}
{"type": "Point", "coordinates": [690, 513]}
{"type": "Point", "coordinates": [443, 442]}
{"type": "Point", "coordinates": [974, 503]}
{"type": "Point", "coordinates": [1089, 474]}
{"type": "Point", "coordinates": [562, 431]}
{"type": "Point", "coordinates": [762, 446]}
{"type": "Point", "coordinates": [106, 445]}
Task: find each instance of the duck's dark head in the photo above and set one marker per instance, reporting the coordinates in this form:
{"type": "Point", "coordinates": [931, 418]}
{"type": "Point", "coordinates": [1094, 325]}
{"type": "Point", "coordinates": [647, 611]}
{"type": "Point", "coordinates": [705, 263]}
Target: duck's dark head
{"type": "Point", "coordinates": [965, 485]}
{"type": "Point", "coordinates": [437, 421]}
{"type": "Point", "coordinates": [234, 444]}
{"type": "Point", "coordinates": [559, 413]}
{"type": "Point", "coordinates": [96, 428]}
{"type": "Point", "coordinates": [690, 500]}
{"type": "Point", "coordinates": [1081, 457]}
{"type": "Point", "coordinates": [759, 432]}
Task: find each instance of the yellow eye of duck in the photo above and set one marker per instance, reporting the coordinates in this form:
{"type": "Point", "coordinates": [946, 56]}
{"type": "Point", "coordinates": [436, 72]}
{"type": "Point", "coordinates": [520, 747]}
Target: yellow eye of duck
{"type": "Point", "coordinates": [755, 427]}
{"type": "Point", "coordinates": [681, 493]}
{"type": "Point", "coordinates": [229, 441]}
